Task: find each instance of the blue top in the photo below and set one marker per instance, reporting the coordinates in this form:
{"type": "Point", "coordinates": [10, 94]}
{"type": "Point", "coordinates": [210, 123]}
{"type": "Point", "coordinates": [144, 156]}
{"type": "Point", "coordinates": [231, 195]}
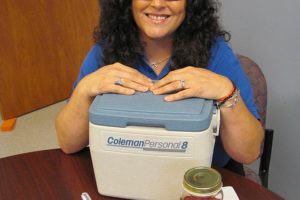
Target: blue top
{"type": "Point", "coordinates": [223, 61]}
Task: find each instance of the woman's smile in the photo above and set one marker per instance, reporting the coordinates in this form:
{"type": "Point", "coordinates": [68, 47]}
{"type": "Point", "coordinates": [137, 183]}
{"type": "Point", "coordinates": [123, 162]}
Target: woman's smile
{"type": "Point", "coordinates": [158, 19]}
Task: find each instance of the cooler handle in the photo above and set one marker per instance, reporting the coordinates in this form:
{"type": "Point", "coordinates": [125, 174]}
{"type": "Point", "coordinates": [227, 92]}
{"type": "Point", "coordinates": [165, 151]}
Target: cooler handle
{"type": "Point", "coordinates": [216, 118]}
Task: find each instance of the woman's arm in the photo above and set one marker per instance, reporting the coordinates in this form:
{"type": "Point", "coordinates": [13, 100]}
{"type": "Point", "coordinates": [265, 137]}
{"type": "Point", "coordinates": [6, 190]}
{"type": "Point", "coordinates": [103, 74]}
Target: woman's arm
{"type": "Point", "coordinates": [72, 122]}
{"type": "Point", "coordinates": [241, 133]}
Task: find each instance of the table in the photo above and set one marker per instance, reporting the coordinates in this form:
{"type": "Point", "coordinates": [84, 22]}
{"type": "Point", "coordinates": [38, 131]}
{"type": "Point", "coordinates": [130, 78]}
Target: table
{"type": "Point", "coordinates": [51, 174]}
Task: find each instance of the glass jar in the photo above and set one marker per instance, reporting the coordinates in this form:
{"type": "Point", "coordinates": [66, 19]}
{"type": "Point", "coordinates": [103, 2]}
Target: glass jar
{"type": "Point", "coordinates": [202, 183]}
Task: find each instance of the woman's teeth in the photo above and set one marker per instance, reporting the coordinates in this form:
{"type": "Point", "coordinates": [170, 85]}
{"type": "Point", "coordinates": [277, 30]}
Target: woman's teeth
{"type": "Point", "coordinates": [157, 17]}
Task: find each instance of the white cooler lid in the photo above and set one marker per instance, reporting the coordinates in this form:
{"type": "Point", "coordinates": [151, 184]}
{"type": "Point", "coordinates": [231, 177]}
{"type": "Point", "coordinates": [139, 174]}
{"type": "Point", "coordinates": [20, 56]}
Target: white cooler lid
{"type": "Point", "coordinates": [146, 109]}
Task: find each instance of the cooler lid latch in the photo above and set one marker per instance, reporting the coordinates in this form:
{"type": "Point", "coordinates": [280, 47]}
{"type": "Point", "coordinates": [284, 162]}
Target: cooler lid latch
{"type": "Point", "coordinates": [216, 118]}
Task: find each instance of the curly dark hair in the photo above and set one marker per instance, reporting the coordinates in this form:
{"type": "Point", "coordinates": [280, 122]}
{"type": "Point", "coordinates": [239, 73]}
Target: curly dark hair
{"type": "Point", "coordinates": [118, 33]}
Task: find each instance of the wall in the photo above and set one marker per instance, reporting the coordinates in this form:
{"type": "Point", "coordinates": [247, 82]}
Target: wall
{"type": "Point", "coordinates": [269, 32]}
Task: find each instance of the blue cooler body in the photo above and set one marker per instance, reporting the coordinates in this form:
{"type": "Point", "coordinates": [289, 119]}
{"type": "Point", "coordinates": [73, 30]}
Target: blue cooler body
{"type": "Point", "coordinates": [141, 145]}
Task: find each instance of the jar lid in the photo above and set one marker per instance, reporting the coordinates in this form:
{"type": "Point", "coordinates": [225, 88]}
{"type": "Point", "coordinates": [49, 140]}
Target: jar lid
{"type": "Point", "coordinates": [202, 181]}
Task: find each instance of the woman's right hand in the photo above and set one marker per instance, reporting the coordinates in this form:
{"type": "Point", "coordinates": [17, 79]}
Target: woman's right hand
{"type": "Point", "coordinates": [72, 122]}
{"type": "Point", "coordinates": [104, 81]}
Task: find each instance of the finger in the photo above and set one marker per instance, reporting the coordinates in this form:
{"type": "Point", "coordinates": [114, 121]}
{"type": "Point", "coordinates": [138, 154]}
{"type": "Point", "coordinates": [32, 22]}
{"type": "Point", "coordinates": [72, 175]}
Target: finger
{"type": "Point", "coordinates": [171, 87]}
{"type": "Point", "coordinates": [183, 94]}
{"type": "Point", "coordinates": [109, 86]}
{"type": "Point", "coordinates": [171, 77]}
{"type": "Point", "coordinates": [119, 89]}
{"type": "Point", "coordinates": [133, 85]}
{"type": "Point", "coordinates": [138, 79]}
{"type": "Point", "coordinates": [133, 74]}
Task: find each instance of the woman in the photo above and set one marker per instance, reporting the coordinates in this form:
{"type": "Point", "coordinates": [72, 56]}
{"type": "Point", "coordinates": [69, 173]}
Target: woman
{"type": "Point", "coordinates": [180, 44]}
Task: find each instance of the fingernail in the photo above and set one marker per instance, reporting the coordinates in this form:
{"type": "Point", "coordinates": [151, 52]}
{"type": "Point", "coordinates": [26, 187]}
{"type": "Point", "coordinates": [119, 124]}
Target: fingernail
{"type": "Point", "coordinates": [145, 89]}
{"type": "Point", "coordinates": [168, 98]}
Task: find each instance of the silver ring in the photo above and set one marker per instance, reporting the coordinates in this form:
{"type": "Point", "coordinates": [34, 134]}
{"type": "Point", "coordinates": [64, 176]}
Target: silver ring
{"type": "Point", "coordinates": [119, 82]}
{"type": "Point", "coordinates": [182, 83]}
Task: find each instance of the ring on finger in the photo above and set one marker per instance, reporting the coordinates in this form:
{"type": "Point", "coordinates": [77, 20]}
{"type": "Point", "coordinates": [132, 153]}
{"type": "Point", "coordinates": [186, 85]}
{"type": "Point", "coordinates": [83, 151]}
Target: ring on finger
{"type": "Point", "coordinates": [119, 82]}
{"type": "Point", "coordinates": [182, 83]}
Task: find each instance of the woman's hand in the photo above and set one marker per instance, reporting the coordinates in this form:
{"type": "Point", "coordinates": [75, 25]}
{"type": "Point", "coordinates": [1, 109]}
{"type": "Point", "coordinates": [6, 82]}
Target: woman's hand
{"type": "Point", "coordinates": [115, 78]}
{"type": "Point", "coordinates": [241, 132]}
{"type": "Point", "coordinates": [193, 82]}
{"type": "Point", "coordinates": [72, 123]}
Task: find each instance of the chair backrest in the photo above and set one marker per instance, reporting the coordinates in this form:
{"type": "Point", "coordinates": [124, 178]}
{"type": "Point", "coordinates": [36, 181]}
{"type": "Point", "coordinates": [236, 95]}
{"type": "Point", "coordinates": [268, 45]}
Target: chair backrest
{"type": "Point", "coordinates": [259, 85]}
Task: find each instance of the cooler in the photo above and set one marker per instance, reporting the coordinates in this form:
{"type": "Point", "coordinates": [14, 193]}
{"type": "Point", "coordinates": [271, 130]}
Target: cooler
{"type": "Point", "coordinates": [141, 145]}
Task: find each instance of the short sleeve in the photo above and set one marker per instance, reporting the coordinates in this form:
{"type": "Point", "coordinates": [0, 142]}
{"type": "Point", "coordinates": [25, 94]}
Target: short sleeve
{"type": "Point", "coordinates": [91, 63]}
{"type": "Point", "coordinates": [223, 61]}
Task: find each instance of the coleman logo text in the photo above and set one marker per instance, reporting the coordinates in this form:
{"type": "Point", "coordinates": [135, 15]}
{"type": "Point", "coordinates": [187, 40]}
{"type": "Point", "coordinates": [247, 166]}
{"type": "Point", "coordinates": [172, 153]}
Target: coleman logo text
{"type": "Point", "coordinates": [148, 144]}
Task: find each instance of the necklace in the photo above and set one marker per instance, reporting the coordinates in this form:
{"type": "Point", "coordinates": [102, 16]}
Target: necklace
{"type": "Point", "coordinates": [155, 64]}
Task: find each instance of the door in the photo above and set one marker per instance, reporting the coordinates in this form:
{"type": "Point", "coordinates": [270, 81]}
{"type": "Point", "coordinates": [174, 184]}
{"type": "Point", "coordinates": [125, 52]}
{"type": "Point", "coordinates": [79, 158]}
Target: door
{"type": "Point", "coordinates": [42, 44]}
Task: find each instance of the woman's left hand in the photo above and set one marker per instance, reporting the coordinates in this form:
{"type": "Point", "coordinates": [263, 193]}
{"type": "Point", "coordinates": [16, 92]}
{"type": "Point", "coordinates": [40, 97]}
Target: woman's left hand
{"type": "Point", "coordinates": [241, 132]}
{"type": "Point", "coordinates": [192, 82]}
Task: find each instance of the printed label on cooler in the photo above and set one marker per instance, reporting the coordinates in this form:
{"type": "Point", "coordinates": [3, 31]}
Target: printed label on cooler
{"type": "Point", "coordinates": [147, 144]}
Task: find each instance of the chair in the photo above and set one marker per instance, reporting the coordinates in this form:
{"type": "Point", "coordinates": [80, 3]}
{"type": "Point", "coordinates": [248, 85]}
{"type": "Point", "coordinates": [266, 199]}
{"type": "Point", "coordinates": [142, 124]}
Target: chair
{"type": "Point", "coordinates": [259, 86]}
